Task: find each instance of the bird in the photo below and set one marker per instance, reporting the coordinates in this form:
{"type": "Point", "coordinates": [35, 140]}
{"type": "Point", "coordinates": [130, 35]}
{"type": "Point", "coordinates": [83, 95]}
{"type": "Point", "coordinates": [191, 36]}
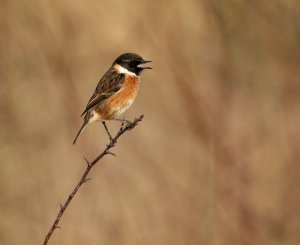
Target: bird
{"type": "Point", "coordinates": [116, 90]}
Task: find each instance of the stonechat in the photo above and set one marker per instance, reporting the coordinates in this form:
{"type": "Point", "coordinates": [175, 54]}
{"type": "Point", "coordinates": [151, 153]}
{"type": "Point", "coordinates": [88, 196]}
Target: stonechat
{"type": "Point", "coordinates": [115, 91]}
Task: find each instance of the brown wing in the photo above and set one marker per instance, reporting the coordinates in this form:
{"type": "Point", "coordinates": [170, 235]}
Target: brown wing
{"type": "Point", "coordinates": [108, 85]}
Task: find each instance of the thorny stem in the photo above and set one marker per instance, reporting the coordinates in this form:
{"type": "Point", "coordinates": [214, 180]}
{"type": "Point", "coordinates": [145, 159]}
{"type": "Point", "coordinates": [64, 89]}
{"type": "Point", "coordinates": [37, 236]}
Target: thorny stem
{"type": "Point", "coordinates": [113, 140]}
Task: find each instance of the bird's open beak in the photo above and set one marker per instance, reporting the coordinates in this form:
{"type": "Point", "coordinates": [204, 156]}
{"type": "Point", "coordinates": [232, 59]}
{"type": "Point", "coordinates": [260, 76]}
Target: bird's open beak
{"type": "Point", "coordinates": [142, 65]}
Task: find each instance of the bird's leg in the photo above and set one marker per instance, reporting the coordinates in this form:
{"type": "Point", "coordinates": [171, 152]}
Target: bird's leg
{"type": "Point", "coordinates": [122, 120]}
{"type": "Point", "coordinates": [108, 133]}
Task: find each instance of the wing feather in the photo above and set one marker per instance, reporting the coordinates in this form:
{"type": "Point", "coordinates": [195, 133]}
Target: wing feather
{"type": "Point", "coordinates": [108, 85]}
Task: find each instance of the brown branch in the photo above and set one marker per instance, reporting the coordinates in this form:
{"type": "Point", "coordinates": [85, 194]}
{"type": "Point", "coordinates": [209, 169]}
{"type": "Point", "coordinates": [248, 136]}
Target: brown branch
{"type": "Point", "coordinates": [124, 127]}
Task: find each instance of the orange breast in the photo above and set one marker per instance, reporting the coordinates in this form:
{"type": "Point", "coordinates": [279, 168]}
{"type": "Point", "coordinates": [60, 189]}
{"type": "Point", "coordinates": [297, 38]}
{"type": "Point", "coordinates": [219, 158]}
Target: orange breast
{"type": "Point", "coordinates": [121, 100]}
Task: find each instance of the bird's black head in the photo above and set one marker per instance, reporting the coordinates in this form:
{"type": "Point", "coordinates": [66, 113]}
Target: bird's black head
{"type": "Point", "coordinates": [133, 63]}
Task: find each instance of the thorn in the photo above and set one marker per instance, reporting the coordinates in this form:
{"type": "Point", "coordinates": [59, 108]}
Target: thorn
{"type": "Point", "coordinates": [57, 227]}
{"type": "Point", "coordinates": [87, 162]}
{"type": "Point", "coordinates": [111, 144]}
{"type": "Point", "coordinates": [61, 206]}
{"type": "Point", "coordinates": [110, 153]}
{"type": "Point", "coordinates": [86, 180]}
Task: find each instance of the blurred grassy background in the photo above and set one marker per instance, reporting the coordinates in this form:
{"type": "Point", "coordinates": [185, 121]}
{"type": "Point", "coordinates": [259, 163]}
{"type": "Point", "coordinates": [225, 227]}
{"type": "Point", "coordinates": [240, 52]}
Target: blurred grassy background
{"type": "Point", "coordinates": [216, 159]}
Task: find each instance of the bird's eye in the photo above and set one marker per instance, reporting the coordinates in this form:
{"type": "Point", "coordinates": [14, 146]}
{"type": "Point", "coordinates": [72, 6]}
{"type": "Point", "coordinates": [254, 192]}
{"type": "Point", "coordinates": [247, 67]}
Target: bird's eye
{"type": "Point", "coordinates": [132, 63]}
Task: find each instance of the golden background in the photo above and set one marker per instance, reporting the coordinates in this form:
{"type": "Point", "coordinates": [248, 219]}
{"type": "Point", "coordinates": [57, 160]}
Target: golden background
{"type": "Point", "coordinates": [216, 158]}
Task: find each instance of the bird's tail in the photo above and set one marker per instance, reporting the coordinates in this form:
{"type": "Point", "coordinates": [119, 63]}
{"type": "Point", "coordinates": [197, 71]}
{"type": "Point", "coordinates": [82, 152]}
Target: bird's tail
{"type": "Point", "coordinates": [80, 131]}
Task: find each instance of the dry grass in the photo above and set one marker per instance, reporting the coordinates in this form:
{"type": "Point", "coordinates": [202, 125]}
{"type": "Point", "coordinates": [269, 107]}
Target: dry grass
{"type": "Point", "coordinates": [216, 159]}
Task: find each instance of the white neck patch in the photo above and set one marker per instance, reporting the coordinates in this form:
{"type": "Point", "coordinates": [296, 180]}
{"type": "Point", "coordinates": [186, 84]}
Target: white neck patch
{"type": "Point", "coordinates": [121, 69]}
